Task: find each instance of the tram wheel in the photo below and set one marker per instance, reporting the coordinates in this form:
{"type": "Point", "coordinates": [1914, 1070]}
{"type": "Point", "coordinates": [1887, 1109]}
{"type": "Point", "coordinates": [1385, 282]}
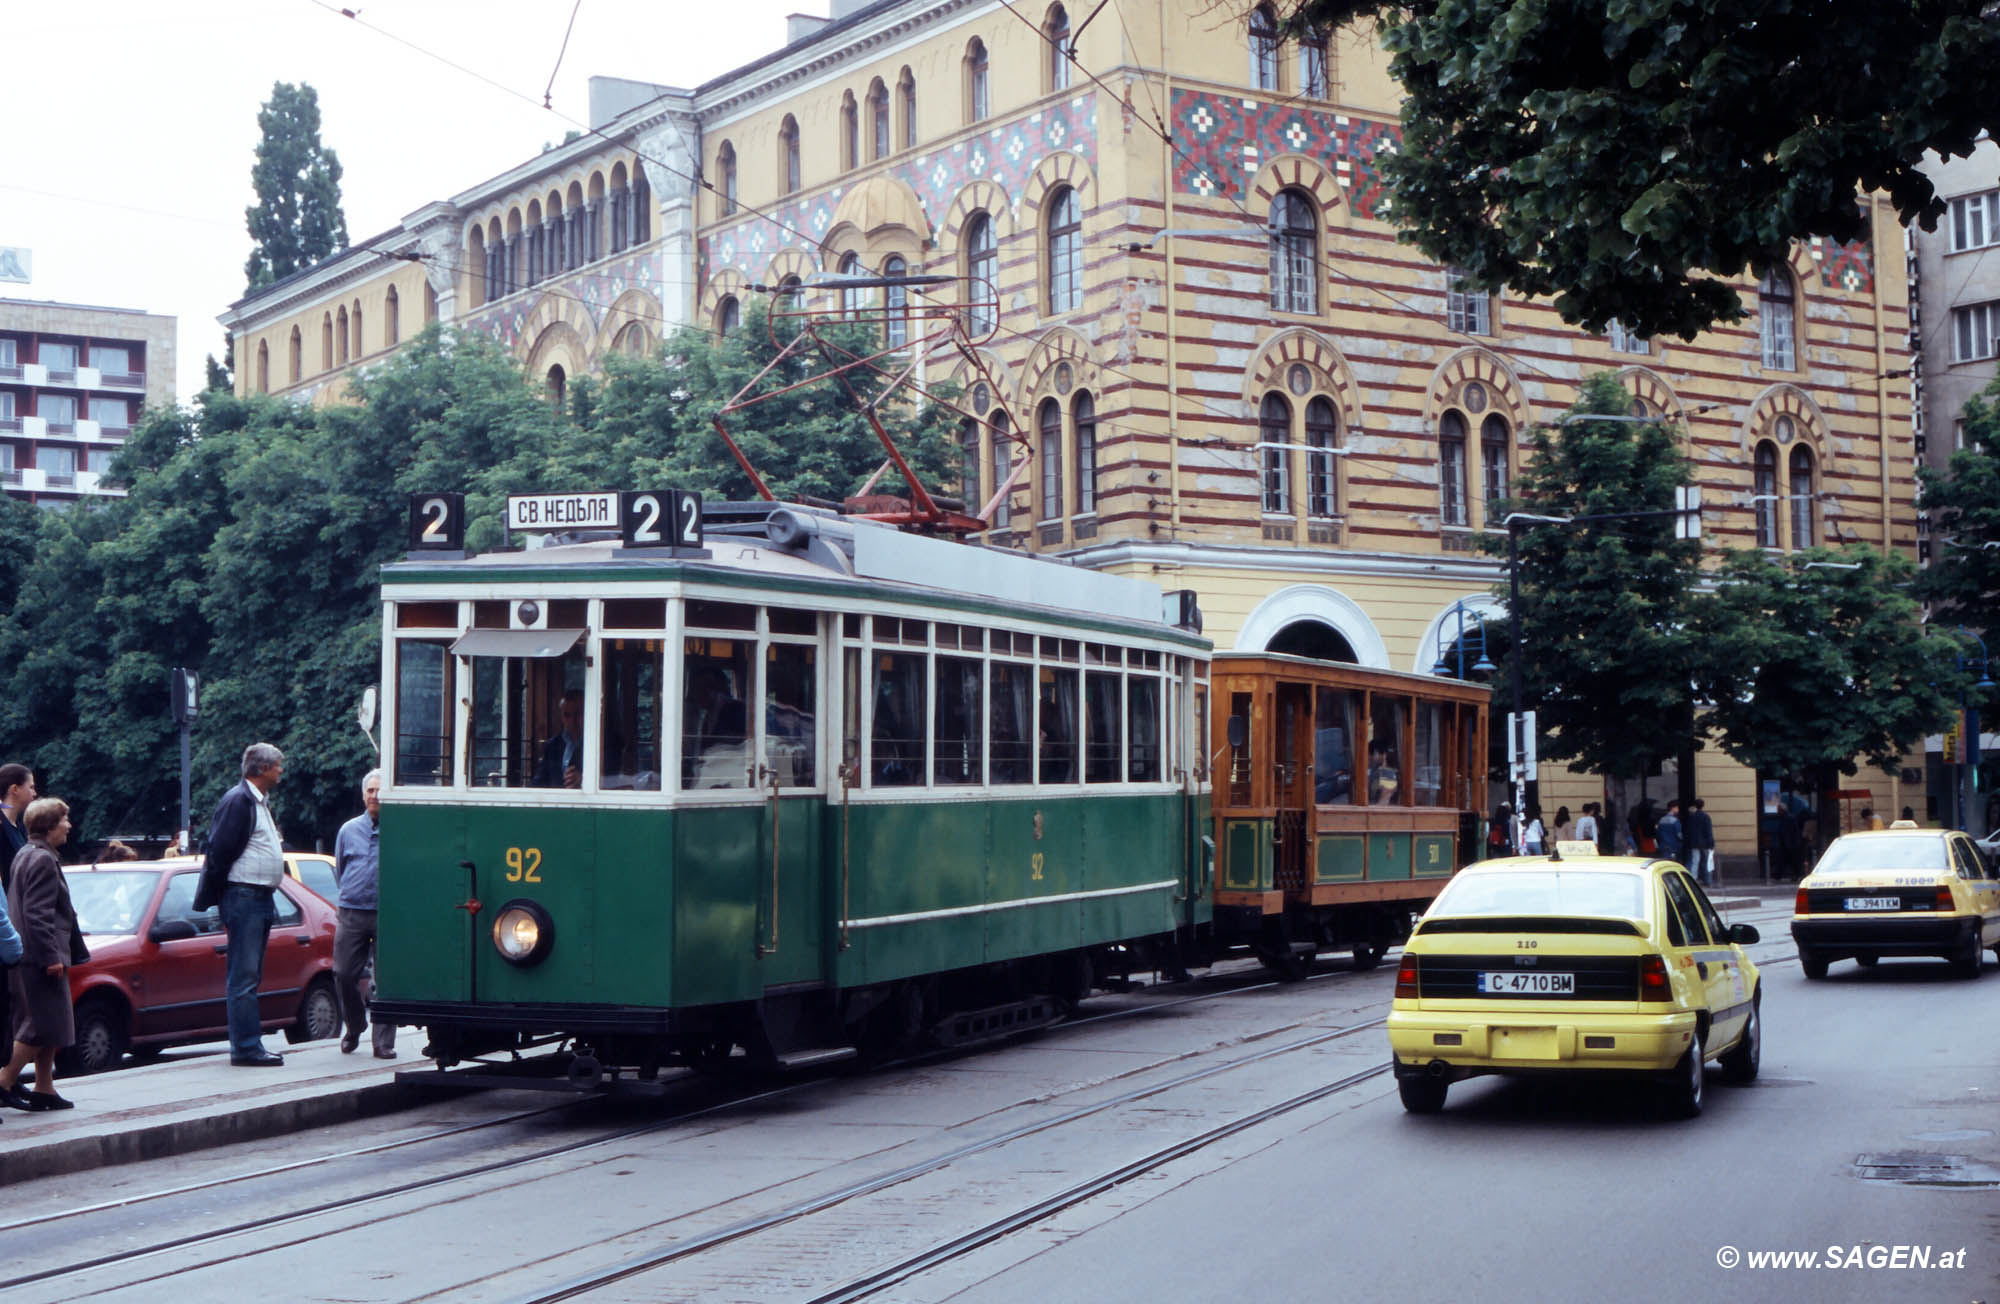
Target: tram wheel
{"type": "Point", "coordinates": [1285, 964]}
{"type": "Point", "coordinates": [1368, 954]}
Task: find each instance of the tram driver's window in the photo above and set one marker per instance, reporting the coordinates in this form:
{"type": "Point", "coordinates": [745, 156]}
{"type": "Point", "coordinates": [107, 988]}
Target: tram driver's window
{"type": "Point", "coordinates": [791, 736]}
{"type": "Point", "coordinates": [1385, 750]}
{"type": "Point", "coordinates": [631, 697]}
{"type": "Point", "coordinates": [1334, 713]}
{"type": "Point", "coordinates": [1013, 722]}
{"type": "Point", "coordinates": [527, 722]}
{"type": "Point", "coordinates": [1104, 748]}
{"type": "Point", "coordinates": [717, 689]}
{"type": "Point", "coordinates": [1056, 727]}
{"type": "Point", "coordinates": [423, 713]}
{"type": "Point", "coordinates": [1429, 774]}
{"type": "Point", "coordinates": [896, 746]}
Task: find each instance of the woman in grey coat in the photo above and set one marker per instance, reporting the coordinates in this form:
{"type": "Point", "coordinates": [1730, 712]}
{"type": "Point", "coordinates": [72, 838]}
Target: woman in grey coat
{"type": "Point", "coordinates": [38, 901]}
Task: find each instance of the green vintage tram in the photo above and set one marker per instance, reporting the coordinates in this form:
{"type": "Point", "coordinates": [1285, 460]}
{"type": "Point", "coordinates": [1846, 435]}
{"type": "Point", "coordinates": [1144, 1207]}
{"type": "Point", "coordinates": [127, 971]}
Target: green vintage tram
{"type": "Point", "coordinates": [808, 785]}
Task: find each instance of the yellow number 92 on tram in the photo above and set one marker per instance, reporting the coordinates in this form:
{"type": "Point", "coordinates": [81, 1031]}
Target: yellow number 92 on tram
{"type": "Point", "coordinates": [1574, 963]}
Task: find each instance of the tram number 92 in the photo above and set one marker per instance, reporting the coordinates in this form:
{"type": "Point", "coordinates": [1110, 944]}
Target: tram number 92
{"type": "Point", "coordinates": [524, 864]}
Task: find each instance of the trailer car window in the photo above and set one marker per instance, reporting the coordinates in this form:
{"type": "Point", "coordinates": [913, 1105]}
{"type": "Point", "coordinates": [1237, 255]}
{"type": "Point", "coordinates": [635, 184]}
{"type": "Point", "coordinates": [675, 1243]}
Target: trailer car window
{"type": "Point", "coordinates": [958, 715]}
{"type": "Point", "coordinates": [1056, 723]}
{"type": "Point", "coordinates": [1013, 724]}
{"type": "Point", "coordinates": [1104, 746]}
{"type": "Point", "coordinates": [896, 749]}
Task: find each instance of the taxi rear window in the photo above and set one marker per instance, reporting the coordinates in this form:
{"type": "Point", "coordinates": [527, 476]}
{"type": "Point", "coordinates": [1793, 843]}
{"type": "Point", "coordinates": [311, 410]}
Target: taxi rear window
{"type": "Point", "coordinates": [1545, 892]}
{"type": "Point", "coordinates": [1852, 853]}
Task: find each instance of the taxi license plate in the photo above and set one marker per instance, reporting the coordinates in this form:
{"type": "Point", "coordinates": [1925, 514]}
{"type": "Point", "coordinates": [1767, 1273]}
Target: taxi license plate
{"type": "Point", "coordinates": [1874, 903]}
{"type": "Point", "coordinates": [1529, 984]}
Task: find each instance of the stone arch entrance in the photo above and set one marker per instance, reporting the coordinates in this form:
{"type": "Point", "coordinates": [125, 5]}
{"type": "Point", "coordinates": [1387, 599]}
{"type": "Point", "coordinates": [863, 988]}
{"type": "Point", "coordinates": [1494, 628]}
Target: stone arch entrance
{"type": "Point", "coordinates": [1312, 638]}
{"type": "Point", "coordinates": [1322, 615]}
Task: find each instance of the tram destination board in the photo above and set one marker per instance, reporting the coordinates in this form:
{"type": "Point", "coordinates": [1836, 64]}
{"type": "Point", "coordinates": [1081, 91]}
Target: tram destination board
{"type": "Point", "coordinates": [532, 513]}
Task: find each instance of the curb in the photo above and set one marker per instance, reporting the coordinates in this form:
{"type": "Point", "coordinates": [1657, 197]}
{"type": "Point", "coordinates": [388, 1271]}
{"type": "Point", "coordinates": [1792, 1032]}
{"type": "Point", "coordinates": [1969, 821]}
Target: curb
{"type": "Point", "coordinates": [179, 1136]}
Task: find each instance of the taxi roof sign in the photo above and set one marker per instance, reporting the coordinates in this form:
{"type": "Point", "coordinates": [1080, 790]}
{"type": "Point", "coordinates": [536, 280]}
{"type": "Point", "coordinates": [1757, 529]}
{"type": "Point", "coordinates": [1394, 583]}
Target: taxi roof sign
{"type": "Point", "coordinates": [1904, 824]}
{"type": "Point", "coordinates": [1581, 847]}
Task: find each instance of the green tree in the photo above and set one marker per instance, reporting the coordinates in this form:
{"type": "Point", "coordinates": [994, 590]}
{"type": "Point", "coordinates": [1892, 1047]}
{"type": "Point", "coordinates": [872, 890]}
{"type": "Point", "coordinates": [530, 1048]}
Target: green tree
{"type": "Point", "coordinates": [1963, 579]}
{"type": "Point", "coordinates": [1819, 658]}
{"type": "Point", "coordinates": [1604, 633]}
{"type": "Point", "coordinates": [1619, 157]}
{"type": "Point", "coordinates": [296, 220]}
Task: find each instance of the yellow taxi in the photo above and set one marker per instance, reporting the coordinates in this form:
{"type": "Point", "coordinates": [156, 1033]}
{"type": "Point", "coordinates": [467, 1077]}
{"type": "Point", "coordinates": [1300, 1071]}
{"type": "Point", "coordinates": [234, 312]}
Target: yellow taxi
{"type": "Point", "coordinates": [1902, 890]}
{"type": "Point", "coordinates": [1574, 963]}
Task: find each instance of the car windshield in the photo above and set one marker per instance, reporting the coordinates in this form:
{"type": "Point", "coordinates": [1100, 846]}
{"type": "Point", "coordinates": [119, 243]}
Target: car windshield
{"type": "Point", "coordinates": [1545, 892]}
{"type": "Point", "coordinates": [1851, 853]}
{"type": "Point", "coordinates": [318, 875]}
{"type": "Point", "coordinates": [110, 900]}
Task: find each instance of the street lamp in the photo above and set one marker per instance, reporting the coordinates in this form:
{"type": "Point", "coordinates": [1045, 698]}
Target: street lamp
{"type": "Point", "coordinates": [1482, 666]}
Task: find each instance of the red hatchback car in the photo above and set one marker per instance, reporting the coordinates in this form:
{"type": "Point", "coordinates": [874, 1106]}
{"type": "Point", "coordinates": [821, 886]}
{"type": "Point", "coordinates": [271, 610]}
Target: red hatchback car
{"type": "Point", "coordinates": [156, 966]}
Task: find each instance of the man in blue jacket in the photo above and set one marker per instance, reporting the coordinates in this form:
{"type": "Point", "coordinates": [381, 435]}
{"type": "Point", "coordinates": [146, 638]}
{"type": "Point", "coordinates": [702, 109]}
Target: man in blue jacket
{"type": "Point", "coordinates": [1670, 832]}
{"type": "Point", "coordinates": [356, 864]}
{"type": "Point", "coordinates": [246, 860]}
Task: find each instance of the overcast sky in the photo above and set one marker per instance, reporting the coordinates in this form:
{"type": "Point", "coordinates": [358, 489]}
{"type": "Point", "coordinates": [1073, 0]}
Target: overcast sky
{"type": "Point", "coordinates": [131, 123]}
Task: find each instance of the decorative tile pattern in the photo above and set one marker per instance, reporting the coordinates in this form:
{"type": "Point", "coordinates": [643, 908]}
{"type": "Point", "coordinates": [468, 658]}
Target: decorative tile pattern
{"type": "Point", "coordinates": [596, 287]}
{"type": "Point", "coordinates": [1005, 154]}
{"type": "Point", "coordinates": [1849, 267]}
{"type": "Point", "coordinates": [1223, 140]}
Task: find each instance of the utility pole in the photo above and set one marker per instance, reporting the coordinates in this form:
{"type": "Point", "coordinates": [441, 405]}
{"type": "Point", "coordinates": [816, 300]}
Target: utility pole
{"type": "Point", "coordinates": [182, 689]}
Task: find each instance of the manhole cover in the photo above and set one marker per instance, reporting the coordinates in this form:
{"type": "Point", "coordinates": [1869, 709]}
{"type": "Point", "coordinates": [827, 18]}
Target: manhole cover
{"type": "Point", "coordinates": [1917, 1168]}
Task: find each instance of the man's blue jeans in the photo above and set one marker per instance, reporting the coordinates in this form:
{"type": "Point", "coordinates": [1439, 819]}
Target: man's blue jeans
{"type": "Point", "coordinates": [247, 913]}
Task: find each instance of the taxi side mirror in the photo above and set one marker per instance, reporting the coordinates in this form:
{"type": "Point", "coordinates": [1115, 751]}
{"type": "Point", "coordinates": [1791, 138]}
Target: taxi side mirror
{"type": "Point", "coordinates": [1743, 934]}
{"type": "Point", "coordinates": [171, 930]}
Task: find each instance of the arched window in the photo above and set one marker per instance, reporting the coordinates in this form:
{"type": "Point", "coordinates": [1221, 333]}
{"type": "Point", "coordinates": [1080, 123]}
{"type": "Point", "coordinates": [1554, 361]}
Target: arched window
{"type": "Point", "coordinates": [1801, 496]}
{"type": "Point", "coordinates": [878, 119]}
{"type": "Point", "coordinates": [850, 132]}
{"type": "Point", "coordinates": [642, 206]}
{"type": "Point", "coordinates": [982, 272]}
{"type": "Point", "coordinates": [1083, 413]}
{"type": "Point", "coordinates": [978, 101]}
{"type": "Point", "coordinates": [1274, 432]}
{"type": "Point", "coordinates": [968, 464]}
{"type": "Point", "coordinates": [1056, 29]}
{"type": "Point", "coordinates": [728, 315]}
{"type": "Point", "coordinates": [392, 319]}
{"type": "Point", "coordinates": [790, 291]}
{"type": "Point", "coordinates": [1322, 485]}
{"type": "Point", "coordinates": [297, 356]}
{"type": "Point", "coordinates": [632, 339]}
{"type": "Point", "coordinates": [1003, 457]}
{"type": "Point", "coordinates": [1776, 304]}
{"type": "Point", "coordinates": [1294, 253]}
{"type": "Point", "coordinates": [788, 155]}
{"type": "Point", "coordinates": [621, 209]}
{"type": "Point", "coordinates": [340, 336]}
{"type": "Point", "coordinates": [263, 366]}
{"type": "Point", "coordinates": [906, 104]}
{"type": "Point", "coordinates": [1313, 67]}
{"type": "Point", "coordinates": [476, 262]}
{"type": "Point", "coordinates": [1493, 459]}
{"type": "Point", "coordinates": [1467, 311]}
{"type": "Point", "coordinates": [1051, 453]}
{"type": "Point", "coordinates": [896, 298]}
{"type": "Point", "coordinates": [430, 302]}
{"type": "Point", "coordinates": [1764, 479]}
{"type": "Point", "coordinates": [1451, 469]}
{"type": "Point", "coordinates": [1264, 48]}
{"type": "Point", "coordinates": [558, 386]}
{"type": "Point", "coordinates": [326, 342]}
{"type": "Point", "coordinates": [725, 176]}
{"type": "Point", "coordinates": [593, 223]}
{"type": "Point", "coordinates": [354, 330]}
{"type": "Point", "coordinates": [1065, 234]}
{"type": "Point", "coordinates": [852, 299]}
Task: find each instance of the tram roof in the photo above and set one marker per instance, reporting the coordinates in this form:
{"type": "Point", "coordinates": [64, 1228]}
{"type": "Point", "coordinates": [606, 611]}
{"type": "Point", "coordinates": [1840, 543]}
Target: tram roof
{"type": "Point", "coordinates": [871, 561]}
{"type": "Point", "coordinates": [1279, 662]}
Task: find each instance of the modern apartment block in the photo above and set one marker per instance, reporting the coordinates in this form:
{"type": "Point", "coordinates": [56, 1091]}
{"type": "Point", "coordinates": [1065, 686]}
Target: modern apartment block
{"type": "Point", "coordinates": [1957, 295]}
{"type": "Point", "coordinates": [73, 379]}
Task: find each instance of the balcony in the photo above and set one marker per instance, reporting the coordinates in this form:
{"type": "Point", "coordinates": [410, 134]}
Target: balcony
{"type": "Point", "coordinates": [10, 477]}
{"type": "Point", "coordinates": [10, 425]}
{"type": "Point", "coordinates": [60, 429]}
{"type": "Point", "coordinates": [85, 428]}
{"type": "Point", "coordinates": [10, 371]}
{"type": "Point", "coordinates": [122, 380]}
{"type": "Point", "coordinates": [62, 377]}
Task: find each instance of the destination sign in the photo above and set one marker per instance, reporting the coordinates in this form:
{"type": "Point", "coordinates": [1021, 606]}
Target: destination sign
{"type": "Point", "coordinates": [580, 511]}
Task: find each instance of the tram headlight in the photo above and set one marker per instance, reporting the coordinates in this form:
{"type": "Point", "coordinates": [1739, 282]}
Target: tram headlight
{"type": "Point", "coordinates": [523, 933]}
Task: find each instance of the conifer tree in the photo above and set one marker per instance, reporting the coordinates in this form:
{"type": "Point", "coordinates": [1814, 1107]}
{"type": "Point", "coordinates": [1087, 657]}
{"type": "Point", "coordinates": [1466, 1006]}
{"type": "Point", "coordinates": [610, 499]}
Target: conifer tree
{"type": "Point", "coordinates": [296, 220]}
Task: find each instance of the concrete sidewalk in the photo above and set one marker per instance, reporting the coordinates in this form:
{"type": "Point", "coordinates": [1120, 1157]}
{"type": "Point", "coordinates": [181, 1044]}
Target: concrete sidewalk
{"type": "Point", "coordinates": [192, 1098]}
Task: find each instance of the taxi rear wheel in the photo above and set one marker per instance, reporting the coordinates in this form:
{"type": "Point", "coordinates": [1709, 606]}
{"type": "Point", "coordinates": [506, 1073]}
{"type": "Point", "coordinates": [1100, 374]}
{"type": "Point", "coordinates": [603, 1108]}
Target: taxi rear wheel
{"type": "Point", "coordinates": [1739, 1062]}
{"type": "Point", "coordinates": [1813, 964]}
{"type": "Point", "coordinates": [1422, 1095]}
{"type": "Point", "coordinates": [1969, 959]}
{"type": "Point", "coordinates": [1682, 1097]}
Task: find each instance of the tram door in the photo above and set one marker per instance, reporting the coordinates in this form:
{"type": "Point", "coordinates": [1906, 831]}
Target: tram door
{"type": "Point", "coordinates": [1292, 787]}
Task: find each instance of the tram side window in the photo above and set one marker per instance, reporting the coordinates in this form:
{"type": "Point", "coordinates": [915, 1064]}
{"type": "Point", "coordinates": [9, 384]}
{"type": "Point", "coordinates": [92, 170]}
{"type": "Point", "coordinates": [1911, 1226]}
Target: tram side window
{"type": "Point", "coordinates": [1239, 757]}
{"type": "Point", "coordinates": [850, 710]}
{"type": "Point", "coordinates": [1468, 764]}
{"type": "Point", "coordinates": [527, 721]}
{"type": "Point", "coordinates": [423, 713]}
{"type": "Point", "coordinates": [1013, 723]}
{"type": "Point", "coordinates": [958, 715]}
{"type": "Point", "coordinates": [1142, 722]}
{"type": "Point", "coordinates": [1430, 754]}
{"type": "Point", "coordinates": [1104, 746]}
{"type": "Point", "coordinates": [1334, 713]}
{"type": "Point", "coordinates": [1385, 750]}
{"type": "Point", "coordinates": [716, 690]}
{"type": "Point", "coordinates": [631, 722]}
{"type": "Point", "coordinates": [1056, 725]}
{"type": "Point", "coordinates": [791, 736]}
{"type": "Point", "coordinates": [896, 749]}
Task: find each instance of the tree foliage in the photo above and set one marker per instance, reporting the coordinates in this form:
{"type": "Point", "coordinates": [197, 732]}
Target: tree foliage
{"type": "Point", "coordinates": [1604, 630]}
{"type": "Point", "coordinates": [296, 220]}
{"type": "Point", "coordinates": [1619, 157]}
{"type": "Point", "coordinates": [249, 544]}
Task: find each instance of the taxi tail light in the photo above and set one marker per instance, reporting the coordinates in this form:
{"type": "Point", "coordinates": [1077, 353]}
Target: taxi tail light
{"type": "Point", "coordinates": [1406, 978]}
{"type": "Point", "coordinates": [1800, 904]}
{"type": "Point", "coordinates": [1943, 901]}
{"type": "Point", "coordinates": [1653, 984]}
